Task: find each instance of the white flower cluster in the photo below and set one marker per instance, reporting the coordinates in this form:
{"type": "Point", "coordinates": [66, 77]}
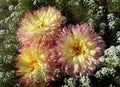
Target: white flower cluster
{"type": "Point", "coordinates": [85, 81]}
{"type": "Point", "coordinates": [110, 62]}
{"type": "Point", "coordinates": [105, 72]}
{"type": "Point", "coordinates": [2, 32]}
{"type": "Point", "coordinates": [111, 19]}
{"type": "Point", "coordinates": [1, 75]}
{"type": "Point", "coordinates": [6, 76]}
{"type": "Point", "coordinates": [111, 85]}
{"type": "Point", "coordinates": [69, 82]}
{"type": "Point", "coordinates": [118, 37]}
{"type": "Point", "coordinates": [111, 57]}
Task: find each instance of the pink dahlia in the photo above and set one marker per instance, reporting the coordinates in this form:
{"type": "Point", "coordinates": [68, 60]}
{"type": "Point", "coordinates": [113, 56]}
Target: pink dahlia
{"type": "Point", "coordinates": [31, 63]}
{"type": "Point", "coordinates": [39, 26]}
{"type": "Point", "coordinates": [79, 48]}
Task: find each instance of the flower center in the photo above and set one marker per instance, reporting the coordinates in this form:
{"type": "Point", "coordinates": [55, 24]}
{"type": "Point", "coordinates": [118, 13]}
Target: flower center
{"type": "Point", "coordinates": [77, 49]}
{"type": "Point", "coordinates": [39, 25]}
{"type": "Point", "coordinates": [33, 63]}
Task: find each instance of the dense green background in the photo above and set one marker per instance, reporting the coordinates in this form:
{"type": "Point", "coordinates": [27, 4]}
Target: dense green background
{"type": "Point", "coordinates": [104, 15]}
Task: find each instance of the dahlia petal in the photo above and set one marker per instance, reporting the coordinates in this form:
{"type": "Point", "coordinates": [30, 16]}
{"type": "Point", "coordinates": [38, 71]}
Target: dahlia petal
{"type": "Point", "coordinates": [80, 47]}
{"type": "Point", "coordinates": [31, 62]}
{"type": "Point", "coordinates": [40, 26]}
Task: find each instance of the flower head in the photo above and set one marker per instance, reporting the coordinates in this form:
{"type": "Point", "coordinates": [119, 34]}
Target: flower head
{"type": "Point", "coordinates": [31, 63]}
{"type": "Point", "coordinates": [41, 24]}
{"type": "Point", "coordinates": [79, 48]}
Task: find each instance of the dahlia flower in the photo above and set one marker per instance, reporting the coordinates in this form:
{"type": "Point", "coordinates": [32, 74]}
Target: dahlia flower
{"type": "Point", "coordinates": [79, 48]}
{"type": "Point", "coordinates": [30, 63]}
{"type": "Point", "coordinates": [42, 24]}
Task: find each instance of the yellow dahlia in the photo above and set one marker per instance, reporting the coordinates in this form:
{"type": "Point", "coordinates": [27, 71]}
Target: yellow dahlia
{"type": "Point", "coordinates": [30, 64]}
{"type": "Point", "coordinates": [42, 24]}
{"type": "Point", "coordinates": [79, 48]}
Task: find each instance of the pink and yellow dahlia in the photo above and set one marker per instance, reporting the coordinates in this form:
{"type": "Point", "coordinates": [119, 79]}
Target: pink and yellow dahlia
{"type": "Point", "coordinates": [79, 48]}
{"type": "Point", "coordinates": [41, 25]}
{"type": "Point", "coordinates": [31, 63]}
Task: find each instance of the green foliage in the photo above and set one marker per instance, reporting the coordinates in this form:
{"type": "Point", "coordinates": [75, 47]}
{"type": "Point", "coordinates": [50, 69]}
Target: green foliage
{"type": "Point", "coordinates": [114, 5]}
